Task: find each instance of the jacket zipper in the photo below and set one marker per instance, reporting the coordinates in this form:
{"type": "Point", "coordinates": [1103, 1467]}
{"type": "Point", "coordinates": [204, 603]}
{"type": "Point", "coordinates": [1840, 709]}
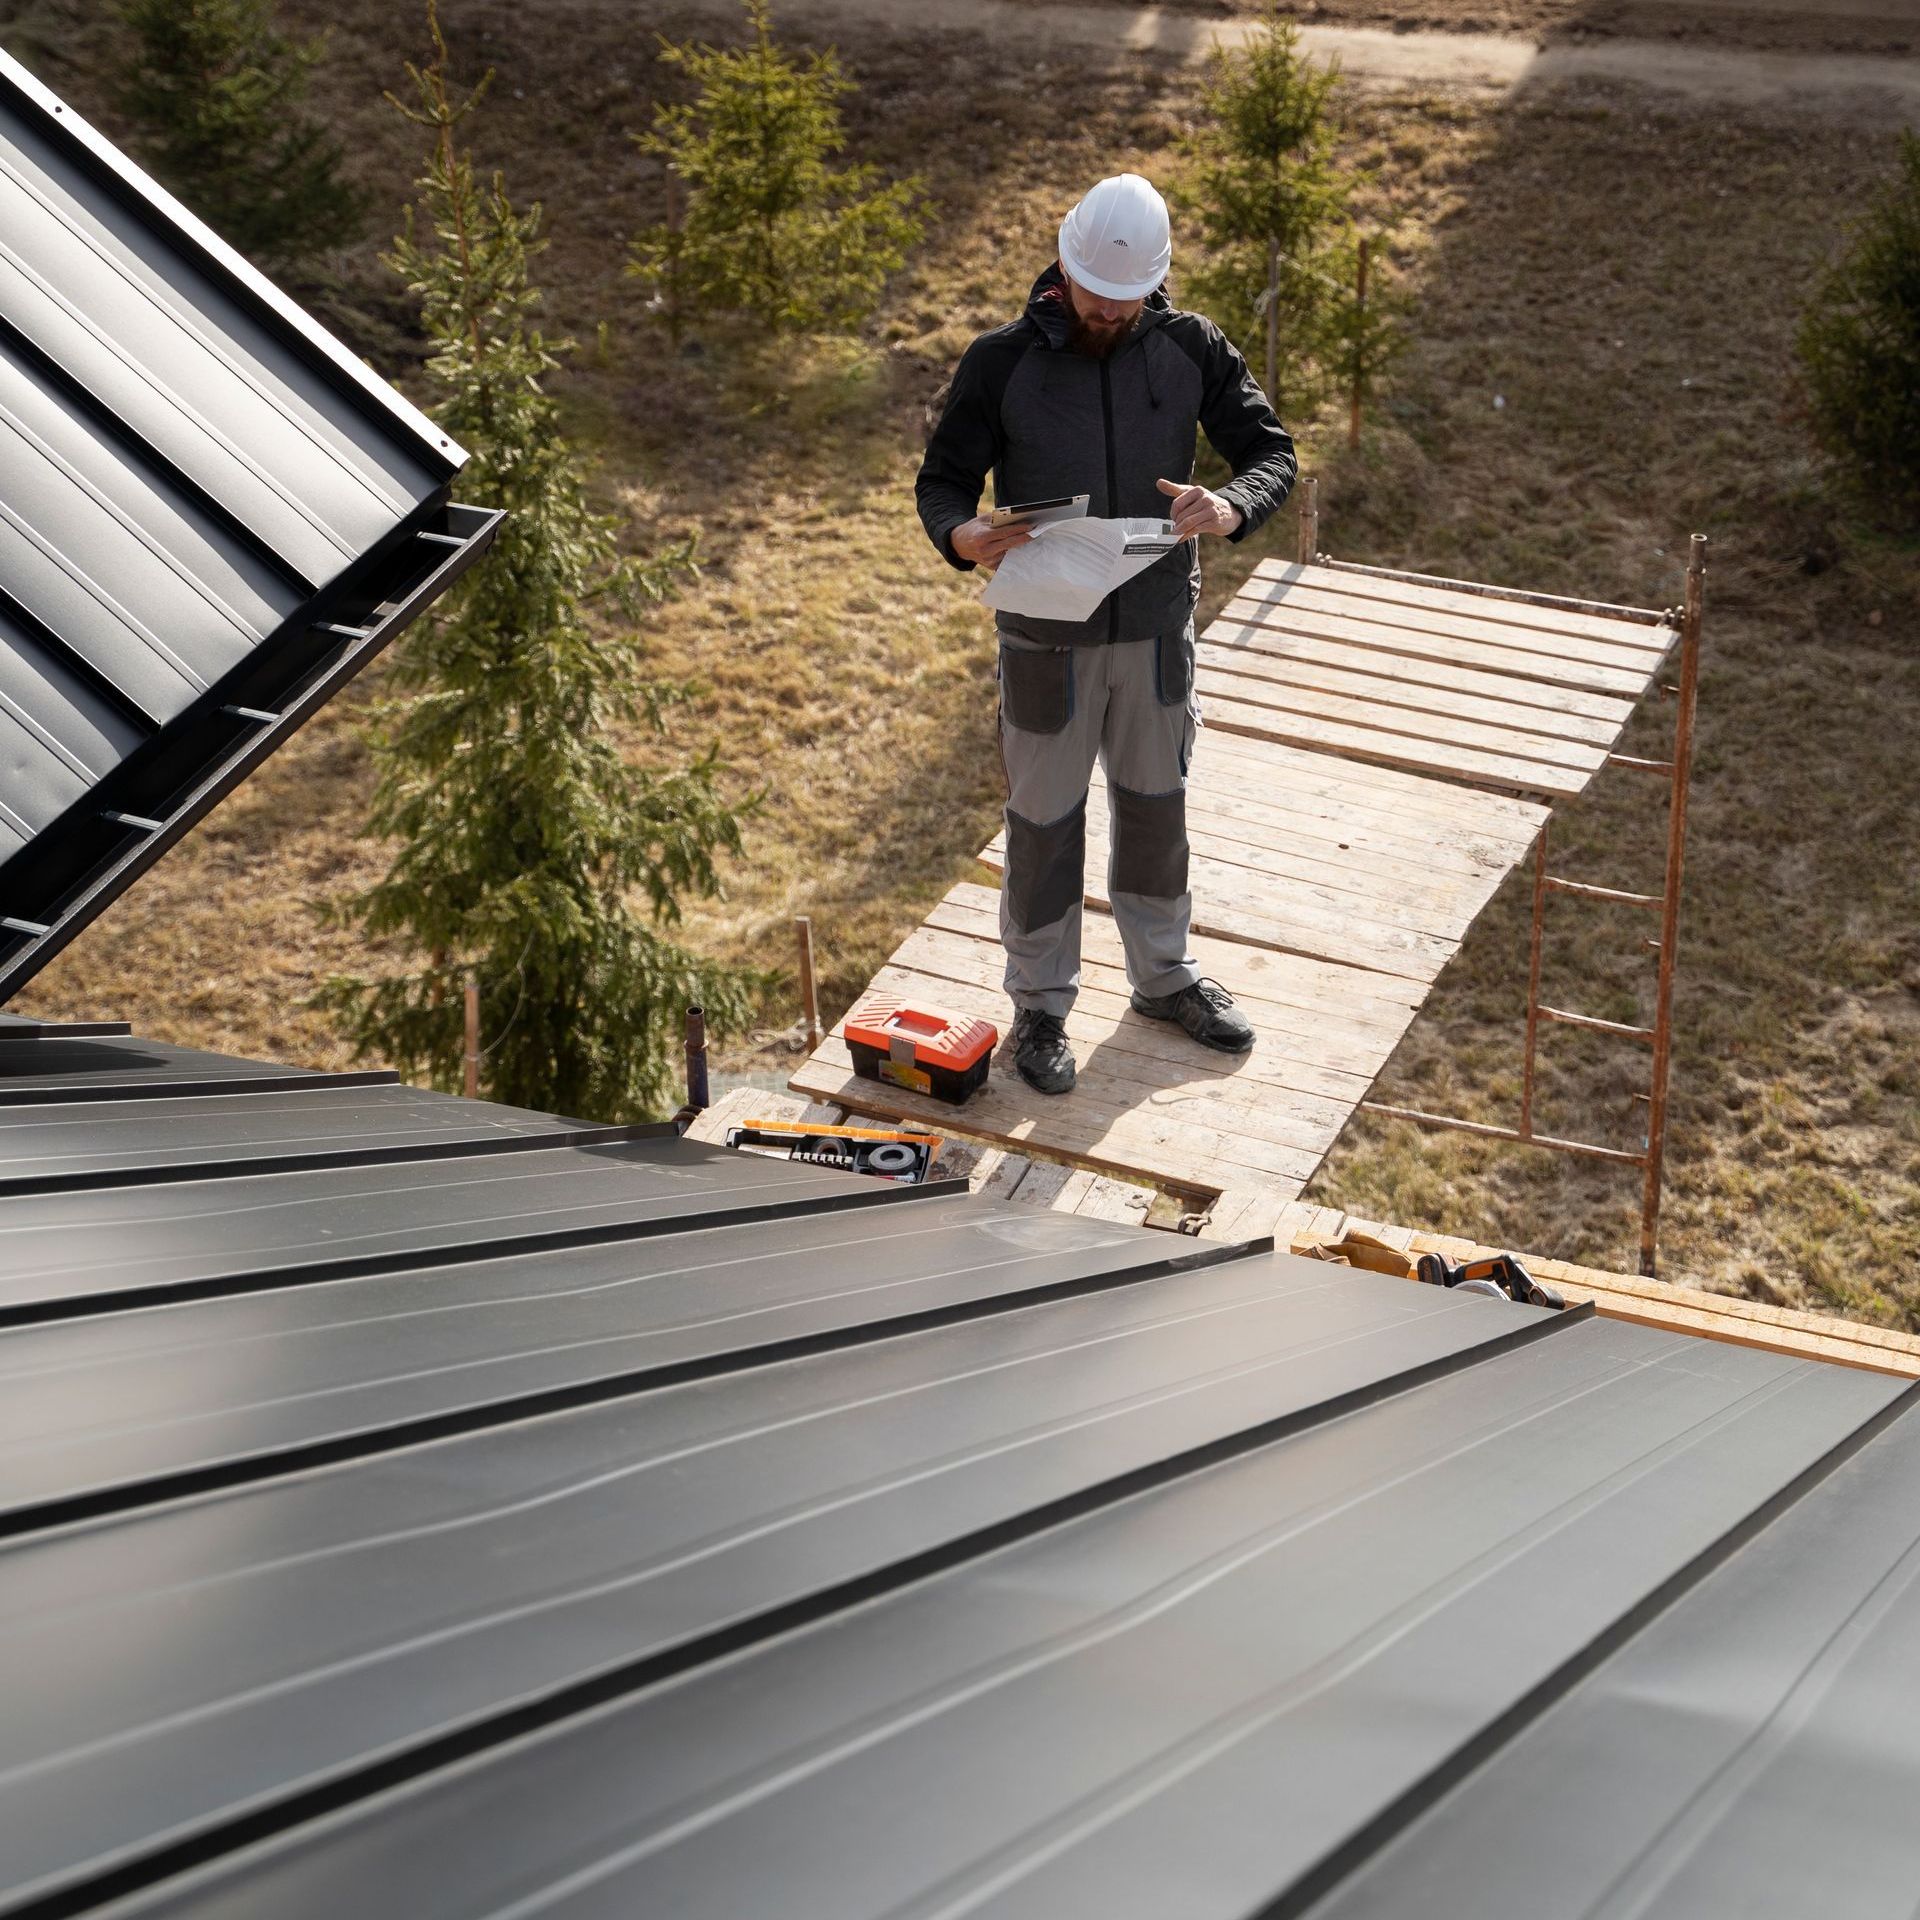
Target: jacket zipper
{"type": "Point", "coordinates": [1113, 489]}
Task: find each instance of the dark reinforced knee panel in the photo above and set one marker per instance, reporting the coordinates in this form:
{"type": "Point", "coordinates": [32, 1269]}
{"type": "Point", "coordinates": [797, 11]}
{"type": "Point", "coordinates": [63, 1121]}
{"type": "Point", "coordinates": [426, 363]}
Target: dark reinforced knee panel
{"type": "Point", "coordinates": [1149, 842]}
{"type": "Point", "coordinates": [1046, 868]}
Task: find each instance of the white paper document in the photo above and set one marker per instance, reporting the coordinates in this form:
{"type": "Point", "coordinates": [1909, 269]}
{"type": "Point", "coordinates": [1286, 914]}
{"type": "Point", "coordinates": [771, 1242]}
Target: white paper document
{"type": "Point", "coordinates": [1068, 568]}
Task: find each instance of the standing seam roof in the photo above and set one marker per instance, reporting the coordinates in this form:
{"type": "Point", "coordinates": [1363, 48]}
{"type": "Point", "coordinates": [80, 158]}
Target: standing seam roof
{"type": "Point", "coordinates": [210, 515]}
{"type": "Point", "coordinates": [523, 1517]}
{"type": "Point", "coordinates": [419, 1508]}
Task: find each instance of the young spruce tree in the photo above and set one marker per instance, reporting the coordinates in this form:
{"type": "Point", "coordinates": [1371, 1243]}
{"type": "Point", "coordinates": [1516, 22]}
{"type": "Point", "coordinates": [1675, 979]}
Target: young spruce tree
{"type": "Point", "coordinates": [1271, 202]}
{"type": "Point", "coordinates": [524, 837]}
{"type": "Point", "coordinates": [1860, 344]}
{"type": "Point", "coordinates": [761, 225]}
{"type": "Point", "coordinates": [215, 91]}
{"type": "Point", "coordinates": [1361, 330]}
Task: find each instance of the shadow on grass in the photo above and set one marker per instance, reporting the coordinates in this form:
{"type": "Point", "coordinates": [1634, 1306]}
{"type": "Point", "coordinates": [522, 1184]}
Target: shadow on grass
{"type": "Point", "coordinates": [1603, 365]}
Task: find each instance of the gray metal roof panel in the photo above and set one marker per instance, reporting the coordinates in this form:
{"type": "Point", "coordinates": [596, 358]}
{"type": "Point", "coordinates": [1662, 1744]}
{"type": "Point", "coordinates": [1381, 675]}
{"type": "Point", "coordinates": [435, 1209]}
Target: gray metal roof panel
{"type": "Point", "coordinates": [21, 1026]}
{"type": "Point", "coordinates": [111, 279]}
{"type": "Point", "coordinates": [54, 886]}
{"type": "Point", "coordinates": [59, 1067]}
{"type": "Point", "coordinates": [195, 482]}
{"type": "Point", "coordinates": [312, 1624]}
{"type": "Point", "coordinates": [134, 190]}
{"type": "Point", "coordinates": [107, 297]}
{"type": "Point", "coordinates": [60, 713]}
{"type": "Point", "coordinates": [228, 1389]}
{"type": "Point", "coordinates": [127, 1142]}
{"type": "Point", "coordinates": [84, 473]}
{"type": "Point", "coordinates": [1754, 1752]}
{"type": "Point", "coordinates": [1186, 1702]}
{"type": "Point", "coordinates": [77, 1253]}
{"type": "Point", "coordinates": [58, 739]}
{"type": "Point", "coordinates": [203, 602]}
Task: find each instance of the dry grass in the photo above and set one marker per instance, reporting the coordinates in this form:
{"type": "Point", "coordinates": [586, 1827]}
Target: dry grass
{"type": "Point", "coordinates": [1624, 280]}
{"type": "Point", "coordinates": [1628, 287]}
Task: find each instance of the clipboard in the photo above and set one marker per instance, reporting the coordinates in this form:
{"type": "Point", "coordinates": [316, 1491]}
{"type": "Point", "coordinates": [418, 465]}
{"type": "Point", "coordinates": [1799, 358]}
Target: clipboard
{"type": "Point", "coordinates": [1041, 513]}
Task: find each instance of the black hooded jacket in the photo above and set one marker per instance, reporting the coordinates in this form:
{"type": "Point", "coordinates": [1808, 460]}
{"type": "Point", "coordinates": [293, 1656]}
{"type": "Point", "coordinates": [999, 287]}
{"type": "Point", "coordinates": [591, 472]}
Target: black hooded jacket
{"type": "Point", "coordinates": [1046, 421]}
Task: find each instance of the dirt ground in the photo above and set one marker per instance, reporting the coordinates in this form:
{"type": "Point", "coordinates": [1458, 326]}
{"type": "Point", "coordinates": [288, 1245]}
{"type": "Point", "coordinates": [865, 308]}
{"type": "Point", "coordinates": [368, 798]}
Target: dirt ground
{"type": "Point", "coordinates": [1621, 272]}
{"type": "Point", "coordinates": [1785, 26]}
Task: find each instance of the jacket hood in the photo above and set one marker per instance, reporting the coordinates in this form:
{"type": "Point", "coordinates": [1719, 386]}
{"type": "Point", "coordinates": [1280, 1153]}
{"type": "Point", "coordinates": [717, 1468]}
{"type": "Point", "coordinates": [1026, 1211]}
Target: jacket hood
{"type": "Point", "coordinates": [1047, 309]}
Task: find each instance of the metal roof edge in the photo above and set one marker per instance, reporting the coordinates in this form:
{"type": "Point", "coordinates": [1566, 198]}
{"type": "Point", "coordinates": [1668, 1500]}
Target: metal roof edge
{"type": "Point", "coordinates": [396, 583]}
{"type": "Point", "coordinates": [151, 202]}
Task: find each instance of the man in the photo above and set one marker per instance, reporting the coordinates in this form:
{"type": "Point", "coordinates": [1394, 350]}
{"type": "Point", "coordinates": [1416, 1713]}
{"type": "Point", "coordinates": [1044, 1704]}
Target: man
{"type": "Point", "coordinates": [1100, 388]}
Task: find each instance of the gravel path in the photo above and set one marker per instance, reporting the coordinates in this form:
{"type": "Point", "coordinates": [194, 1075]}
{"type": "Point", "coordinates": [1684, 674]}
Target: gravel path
{"type": "Point", "coordinates": [1847, 83]}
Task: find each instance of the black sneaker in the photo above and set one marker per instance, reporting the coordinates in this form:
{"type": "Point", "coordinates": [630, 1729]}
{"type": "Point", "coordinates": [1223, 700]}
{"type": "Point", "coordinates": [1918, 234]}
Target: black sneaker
{"type": "Point", "coordinates": [1207, 1012]}
{"type": "Point", "coordinates": [1040, 1051]}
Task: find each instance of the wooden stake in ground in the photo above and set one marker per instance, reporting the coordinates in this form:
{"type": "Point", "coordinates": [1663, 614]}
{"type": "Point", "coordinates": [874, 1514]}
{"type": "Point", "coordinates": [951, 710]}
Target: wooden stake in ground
{"type": "Point", "coordinates": [1273, 316]}
{"type": "Point", "coordinates": [1359, 343]}
{"type": "Point", "coordinates": [697, 1059]}
{"type": "Point", "coordinates": [473, 1039]}
{"type": "Point", "coordinates": [809, 995]}
{"type": "Point", "coordinates": [1309, 519]}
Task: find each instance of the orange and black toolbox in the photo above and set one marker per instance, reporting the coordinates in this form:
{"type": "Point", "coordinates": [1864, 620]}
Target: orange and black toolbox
{"type": "Point", "coordinates": [923, 1048]}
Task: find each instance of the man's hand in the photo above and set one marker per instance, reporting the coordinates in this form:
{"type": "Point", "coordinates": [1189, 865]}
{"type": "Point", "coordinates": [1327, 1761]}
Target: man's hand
{"type": "Point", "coordinates": [1196, 510]}
{"type": "Point", "coordinates": [986, 545]}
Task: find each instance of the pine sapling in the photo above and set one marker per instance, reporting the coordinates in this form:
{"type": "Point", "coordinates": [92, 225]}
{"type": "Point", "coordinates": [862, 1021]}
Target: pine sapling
{"type": "Point", "coordinates": [530, 851]}
{"type": "Point", "coordinates": [1270, 199]}
{"type": "Point", "coordinates": [1361, 324]}
{"type": "Point", "coordinates": [762, 225]}
{"type": "Point", "coordinates": [1860, 344]}
{"type": "Point", "coordinates": [216, 92]}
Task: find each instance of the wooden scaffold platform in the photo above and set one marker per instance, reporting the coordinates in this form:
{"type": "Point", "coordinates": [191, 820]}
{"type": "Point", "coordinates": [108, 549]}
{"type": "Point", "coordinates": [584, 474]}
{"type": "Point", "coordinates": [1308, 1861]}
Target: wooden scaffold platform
{"type": "Point", "coordinates": [1379, 752]}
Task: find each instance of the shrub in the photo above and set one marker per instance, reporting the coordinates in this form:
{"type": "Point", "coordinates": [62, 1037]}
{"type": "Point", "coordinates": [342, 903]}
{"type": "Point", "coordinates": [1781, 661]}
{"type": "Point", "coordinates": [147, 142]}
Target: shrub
{"type": "Point", "coordinates": [1859, 344]}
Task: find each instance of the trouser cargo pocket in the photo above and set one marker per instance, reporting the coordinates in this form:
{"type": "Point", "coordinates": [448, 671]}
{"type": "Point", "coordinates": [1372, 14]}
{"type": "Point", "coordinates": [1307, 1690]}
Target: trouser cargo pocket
{"type": "Point", "coordinates": [1173, 667]}
{"type": "Point", "coordinates": [1036, 687]}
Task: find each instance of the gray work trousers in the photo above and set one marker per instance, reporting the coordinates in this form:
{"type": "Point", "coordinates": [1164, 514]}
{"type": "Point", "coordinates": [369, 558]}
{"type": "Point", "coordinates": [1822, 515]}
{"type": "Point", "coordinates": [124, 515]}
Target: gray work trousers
{"type": "Point", "coordinates": [1132, 705]}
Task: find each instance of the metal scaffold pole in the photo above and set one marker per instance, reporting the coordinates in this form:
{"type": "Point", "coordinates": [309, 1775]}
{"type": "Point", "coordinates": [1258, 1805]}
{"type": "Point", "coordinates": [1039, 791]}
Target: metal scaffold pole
{"type": "Point", "coordinates": [1690, 622]}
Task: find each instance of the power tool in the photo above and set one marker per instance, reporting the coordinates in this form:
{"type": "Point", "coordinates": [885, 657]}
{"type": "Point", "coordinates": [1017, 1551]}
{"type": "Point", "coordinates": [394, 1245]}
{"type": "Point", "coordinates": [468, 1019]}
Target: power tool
{"type": "Point", "coordinates": [1497, 1274]}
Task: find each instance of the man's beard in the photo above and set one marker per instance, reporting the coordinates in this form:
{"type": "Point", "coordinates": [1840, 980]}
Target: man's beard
{"type": "Point", "coordinates": [1096, 342]}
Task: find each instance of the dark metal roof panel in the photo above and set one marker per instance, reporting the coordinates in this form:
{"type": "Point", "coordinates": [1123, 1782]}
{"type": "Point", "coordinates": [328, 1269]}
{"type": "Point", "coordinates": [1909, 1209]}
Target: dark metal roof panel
{"type": "Point", "coordinates": [603, 1536]}
{"type": "Point", "coordinates": [1190, 1701]}
{"type": "Point", "coordinates": [266, 1637]}
{"type": "Point", "coordinates": [110, 280]}
{"type": "Point", "coordinates": [63, 1067]}
{"type": "Point", "coordinates": [20, 1026]}
{"type": "Point", "coordinates": [222, 1390]}
{"type": "Point", "coordinates": [195, 482]}
{"type": "Point", "coordinates": [1755, 1752]}
{"type": "Point", "coordinates": [136, 1142]}
{"type": "Point", "coordinates": [80, 1253]}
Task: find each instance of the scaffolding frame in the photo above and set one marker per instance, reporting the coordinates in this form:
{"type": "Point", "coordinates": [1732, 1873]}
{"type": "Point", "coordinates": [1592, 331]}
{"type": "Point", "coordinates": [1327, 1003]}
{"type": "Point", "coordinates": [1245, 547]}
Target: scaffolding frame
{"type": "Point", "coordinates": [1678, 772]}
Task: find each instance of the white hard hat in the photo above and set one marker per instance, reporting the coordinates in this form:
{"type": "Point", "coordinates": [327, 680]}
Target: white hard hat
{"type": "Point", "coordinates": [1117, 242]}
